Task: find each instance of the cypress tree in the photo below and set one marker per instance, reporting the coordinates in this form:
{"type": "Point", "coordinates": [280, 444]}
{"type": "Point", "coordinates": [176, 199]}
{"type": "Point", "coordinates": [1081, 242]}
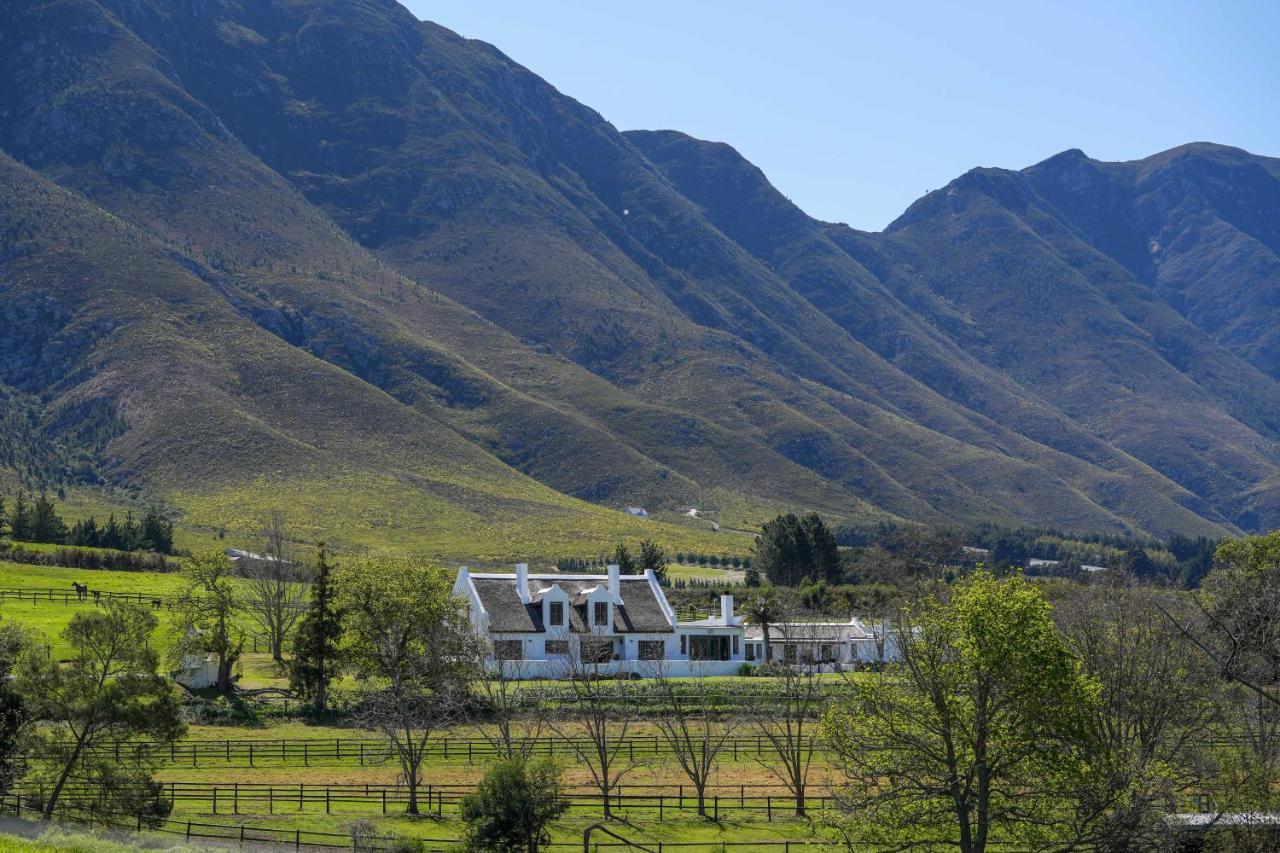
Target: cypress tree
{"type": "Point", "coordinates": [157, 534]}
{"type": "Point", "coordinates": [20, 519]}
{"type": "Point", "coordinates": [315, 644]}
{"type": "Point", "coordinates": [46, 524]}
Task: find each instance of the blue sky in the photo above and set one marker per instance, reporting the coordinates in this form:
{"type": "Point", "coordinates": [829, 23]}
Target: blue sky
{"type": "Point", "coordinates": [855, 109]}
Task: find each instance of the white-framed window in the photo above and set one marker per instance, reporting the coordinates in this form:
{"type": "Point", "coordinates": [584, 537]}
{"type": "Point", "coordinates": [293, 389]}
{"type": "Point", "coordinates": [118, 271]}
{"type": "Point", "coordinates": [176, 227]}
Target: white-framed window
{"type": "Point", "coordinates": [555, 614]}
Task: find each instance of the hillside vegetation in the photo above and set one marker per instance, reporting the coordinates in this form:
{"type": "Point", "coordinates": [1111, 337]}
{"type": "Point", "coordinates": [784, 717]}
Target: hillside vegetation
{"type": "Point", "coordinates": [325, 257]}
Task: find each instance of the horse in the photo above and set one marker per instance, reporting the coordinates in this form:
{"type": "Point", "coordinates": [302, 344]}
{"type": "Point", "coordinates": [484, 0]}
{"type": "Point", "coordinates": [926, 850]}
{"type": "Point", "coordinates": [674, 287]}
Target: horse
{"type": "Point", "coordinates": [81, 590]}
{"type": "Point", "coordinates": [97, 596]}
{"type": "Point", "coordinates": [155, 604]}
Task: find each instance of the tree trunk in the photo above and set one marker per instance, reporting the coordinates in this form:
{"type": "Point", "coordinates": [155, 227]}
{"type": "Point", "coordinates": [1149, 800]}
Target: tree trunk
{"type": "Point", "coordinates": [277, 646]}
{"type": "Point", "coordinates": [412, 808]}
{"type": "Point", "coordinates": [225, 666]}
{"type": "Point", "coordinates": [62, 781]}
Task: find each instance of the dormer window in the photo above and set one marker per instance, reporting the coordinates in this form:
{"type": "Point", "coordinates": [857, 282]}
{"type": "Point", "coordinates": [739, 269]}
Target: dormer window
{"type": "Point", "coordinates": [601, 613]}
{"type": "Point", "coordinates": [555, 613]}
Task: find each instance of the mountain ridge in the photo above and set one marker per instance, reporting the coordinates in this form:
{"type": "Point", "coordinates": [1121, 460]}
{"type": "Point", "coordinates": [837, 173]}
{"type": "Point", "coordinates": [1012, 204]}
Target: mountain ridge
{"type": "Point", "coordinates": [640, 318]}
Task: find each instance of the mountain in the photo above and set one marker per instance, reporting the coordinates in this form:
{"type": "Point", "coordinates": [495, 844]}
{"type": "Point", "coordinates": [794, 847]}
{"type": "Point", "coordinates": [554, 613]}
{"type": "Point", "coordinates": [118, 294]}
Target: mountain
{"type": "Point", "coordinates": [322, 254]}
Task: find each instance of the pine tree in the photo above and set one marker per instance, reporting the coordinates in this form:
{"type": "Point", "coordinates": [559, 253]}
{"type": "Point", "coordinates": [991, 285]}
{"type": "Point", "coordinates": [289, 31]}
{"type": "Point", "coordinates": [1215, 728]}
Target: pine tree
{"type": "Point", "coordinates": [157, 534]}
{"type": "Point", "coordinates": [3, 521]}
{"type": "Point", "coordinates": [46, 524]}
{"type": "Point", "coordinates": [85, 533]}
{"type": "Point", "coordinates": [111, 534]}
{"type": "Point", "coordinates": [626, 563]}
{"type": "Point", "coordinates": [20, 520]}
{"type": "Point", "coordinates": [315, 644]}
{"type": "Point", "coordinates": [652, 557]}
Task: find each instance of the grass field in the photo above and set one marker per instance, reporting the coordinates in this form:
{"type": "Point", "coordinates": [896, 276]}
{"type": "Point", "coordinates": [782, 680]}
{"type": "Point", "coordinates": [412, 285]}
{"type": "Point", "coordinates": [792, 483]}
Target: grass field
{"type": "Point", "coordinates": [46, 619]}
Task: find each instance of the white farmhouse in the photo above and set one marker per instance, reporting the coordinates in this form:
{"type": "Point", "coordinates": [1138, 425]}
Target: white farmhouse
{"type": "Point", "coordinates": [828, 645]}
{"type": "Point", "coordinates": [545, 626]}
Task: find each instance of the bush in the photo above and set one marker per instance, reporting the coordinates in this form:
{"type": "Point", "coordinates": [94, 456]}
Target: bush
{"type": "Point", "coordinates": [747, 670]}
{"type": "Point", "coordinates": [515, 803]}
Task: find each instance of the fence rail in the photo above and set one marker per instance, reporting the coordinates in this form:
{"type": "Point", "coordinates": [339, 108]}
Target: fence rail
{"type": "Point", "coordinates": [770, 800]}
{"type": "Point", "coordinates": [67, 596]}
{"type": "Point", "coordinates": [329, 752]}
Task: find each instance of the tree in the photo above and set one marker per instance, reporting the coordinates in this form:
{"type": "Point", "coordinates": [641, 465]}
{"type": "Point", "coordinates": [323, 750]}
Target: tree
{"type": "Point", "coordinates": [1149, 733]}
{"type": "Point", "coordinates": [765, 607]}
{"type": "Point", "coordinates": [46, 524]}
{"type": "Point", "coordinates": [979, 729]}
{"type": "Point", "coordinates": [689, 725]}
{"type": "Point", "coordinates": [1239, 621]}
{"type": "Point", "coordinates": [14, 643]}
{"type": "Point", "coordinates": [20, 519]}
{"type": "Point", "coordinates": [274, 588]}
{"type": "Point", "coordinates": [315, 644]}
{"type": "Point", "coordinates": [4, 521]}
{"type": "Point", "coordinates": [653, 558]}
{"type": "Point", "coordinates": [414, 648]}
{"type": "Point", "coordinates": [512, 808]}
{"type": "Point", "coordinates": [207, 615]}
{"type": "Point", "coordinates": [157, 533]}
{"type": "Point", "coordinates": [790, 548]}
{"type": "Point", "coordinates": [626, 563]}
{"type": "Point", "coordinates": [786, 719]}
{"type": "Point", "coordinates": [109, 691]}
{"type": "Point", "coordinates": [513, 717]}
{"type": "Point", "coordinates": [596, 729]}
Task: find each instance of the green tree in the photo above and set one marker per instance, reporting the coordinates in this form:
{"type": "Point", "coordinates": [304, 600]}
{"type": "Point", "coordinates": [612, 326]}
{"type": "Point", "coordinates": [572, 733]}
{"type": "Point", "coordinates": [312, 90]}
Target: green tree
{"type": "Point", "coordinates": [979, 730]}
{"type": "Point", "coordinates": [20, 519]}
{"type": "Point", "coordinates": [315, 645]}
{"type": "Point", "coordinates": [46, 524]}
{"type": "Point", "coordinates": [625, 562]}
{"type": "Point", "coordinates": [109, 691]}
{"type": "Point", "coordinates": [790, 548]}
{"type": "Point", "coordinates": [765, 607]}
{"type": "Point", "coordinates": [414, 648]}
{"type": "Point", "coordinates": [208, 613]}
{"type": "Point", "coordinates": [157, 533]}
{"type": "Point", "coordinates": [511, 810]}
{"type": "Point", "coordinates": [653, 558]}
{"type": "Point", "coordinates": [14, 643]}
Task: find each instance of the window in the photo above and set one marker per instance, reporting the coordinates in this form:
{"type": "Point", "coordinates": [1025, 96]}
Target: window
{"type": "Point", "coordinates": [556, 610]}
{"type": "Point", "coordinates": [652, 649]}
{"type": "Point", "coordinates": [597, 651]}
{"type": "Point", "coordinates": [602, 614]}
{"type": "Point", "coordinates": [751, 651]}
{"type": "Point", "coordinates": [557, 647]}
{"type": "Point", "coordinates": [684, 644]}
{"type": "Point", "coordinates": [826, 654]}
{"type": "Point", "coordinates": [508, 649]}
{"type": "Point", "coordinates": [735, 644]}
{"type": "Point", "coordinates": [708, 648]}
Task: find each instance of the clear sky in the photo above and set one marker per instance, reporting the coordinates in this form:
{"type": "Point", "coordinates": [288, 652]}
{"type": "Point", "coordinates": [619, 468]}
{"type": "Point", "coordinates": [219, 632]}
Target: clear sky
{"type": "Point", "coordinates": [855, 109]}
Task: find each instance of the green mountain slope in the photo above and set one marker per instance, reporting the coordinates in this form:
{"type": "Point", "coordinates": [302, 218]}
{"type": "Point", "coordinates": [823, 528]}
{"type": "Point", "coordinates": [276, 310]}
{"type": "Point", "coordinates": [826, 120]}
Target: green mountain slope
{"type": "Point", "coordinates": [367, 262]}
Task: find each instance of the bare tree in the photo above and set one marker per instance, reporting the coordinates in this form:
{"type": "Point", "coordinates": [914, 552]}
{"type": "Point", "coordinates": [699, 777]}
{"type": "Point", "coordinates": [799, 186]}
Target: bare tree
{"type": "Point", "coordinates": [787, 720]}
{"type": "Point", "coordinates": [690, 725]}
{"type": "Point", "coordinates": [275, 589]}
{"type": "Point", "coordinates": [602, 750]}
{"type": "Point", "coordinates": [1149, 735]}
{"type": "Point", "coordinates": [513, 719]}
{"type": "Point", "coordinates": [207, 615]}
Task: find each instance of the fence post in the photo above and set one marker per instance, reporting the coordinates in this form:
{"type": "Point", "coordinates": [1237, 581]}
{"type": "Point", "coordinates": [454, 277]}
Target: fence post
{"type": "Point", "coordinates": [326, 799]}
{"type": "Point", "coordinates": [188, 830]}
{"type": "Point", "coordinates": [236, 795]}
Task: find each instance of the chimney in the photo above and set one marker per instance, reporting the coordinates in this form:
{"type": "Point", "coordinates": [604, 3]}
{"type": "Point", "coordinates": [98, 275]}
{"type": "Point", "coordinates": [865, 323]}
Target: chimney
{"type": "Point", "coordinates": [615, 581]}
{"type": "Point", "coordinates": [726, 609]}
{"type": "Point", "coordinates": [522, 581]}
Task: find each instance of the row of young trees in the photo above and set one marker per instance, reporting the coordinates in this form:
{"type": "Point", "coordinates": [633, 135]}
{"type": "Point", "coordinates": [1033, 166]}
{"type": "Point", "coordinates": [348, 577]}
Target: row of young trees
{"type": "Point", "coordinates": [36, 519]}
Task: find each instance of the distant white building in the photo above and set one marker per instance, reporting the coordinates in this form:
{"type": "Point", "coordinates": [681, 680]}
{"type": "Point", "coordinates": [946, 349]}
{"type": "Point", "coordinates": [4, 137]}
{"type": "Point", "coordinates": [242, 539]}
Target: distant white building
{"type": "Point", "coordinates": [638, 511]}
{"type": "Point", "coordinates": [834, 645]}
{"type": "Point", "coordinates": [549, 625]}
